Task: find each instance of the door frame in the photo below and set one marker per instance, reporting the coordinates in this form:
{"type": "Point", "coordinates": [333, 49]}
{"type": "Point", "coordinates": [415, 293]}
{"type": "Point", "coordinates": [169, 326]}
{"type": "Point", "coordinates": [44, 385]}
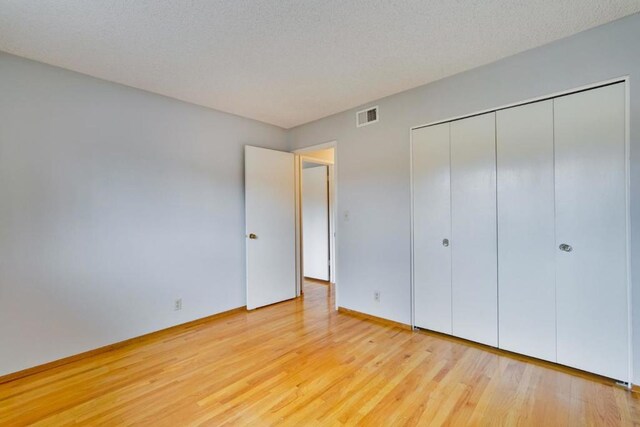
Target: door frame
{"type": "Point", "coordinates": [627, 144]}
{"type": "Point", "coordinates": [333, 203]}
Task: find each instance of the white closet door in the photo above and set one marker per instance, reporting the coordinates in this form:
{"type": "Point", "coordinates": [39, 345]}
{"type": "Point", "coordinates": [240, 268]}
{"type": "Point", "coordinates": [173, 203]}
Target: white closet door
{"type": "Point", "coordinates": [526, 230]}
{"type": "Point", "coordinates": [432, 228]}
{"type": "Point", "coordinates": [591, 219]}
{"type": "Point", "coordinates": [473, 229]}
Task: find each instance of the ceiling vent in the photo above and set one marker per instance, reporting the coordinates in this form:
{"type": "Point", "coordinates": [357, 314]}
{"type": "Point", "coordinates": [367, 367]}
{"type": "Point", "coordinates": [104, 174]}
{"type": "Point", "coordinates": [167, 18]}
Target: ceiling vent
{"type": "Point", "coordinates": [366, 117]}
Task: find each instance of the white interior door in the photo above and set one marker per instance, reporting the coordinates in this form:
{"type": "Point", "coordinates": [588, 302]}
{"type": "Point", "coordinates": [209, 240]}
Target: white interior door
{"type": "Point", "coordinates": [270, 226]}
{"type": "Point", "coordinates": [473, 229]}
{"type": "Point", "coordinates": [315, 221]}
{"type": "Point", "coordinates": [432, 228]}
{"type": "Point", "coordinates": [526, 230]}
{"type": "Point", "coordinates": [591, 219]}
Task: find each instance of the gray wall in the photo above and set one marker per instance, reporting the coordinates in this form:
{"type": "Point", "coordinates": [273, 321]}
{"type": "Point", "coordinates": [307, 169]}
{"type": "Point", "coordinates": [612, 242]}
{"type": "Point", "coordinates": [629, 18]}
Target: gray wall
{"type": "Point", "coordinates": [373, 161]}
{"type": "Point", "coordinates": [113, 203]}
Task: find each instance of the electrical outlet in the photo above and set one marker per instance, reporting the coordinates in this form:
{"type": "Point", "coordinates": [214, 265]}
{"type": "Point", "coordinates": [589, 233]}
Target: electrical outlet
{"type": "Point", "coordinates": [177, 304]}
{"type": "Point", "coordinates": [376, 296]}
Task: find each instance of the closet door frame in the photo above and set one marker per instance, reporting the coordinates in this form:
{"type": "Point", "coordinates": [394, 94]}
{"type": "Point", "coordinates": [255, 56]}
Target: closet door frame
{"type": "Point", "coordinates": [622, 79]}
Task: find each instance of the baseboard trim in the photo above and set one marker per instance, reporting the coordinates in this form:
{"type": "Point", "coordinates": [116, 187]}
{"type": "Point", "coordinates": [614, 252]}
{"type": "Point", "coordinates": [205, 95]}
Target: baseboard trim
{"type": "Point", "coordinates": [66, 360]}
{"type": "Point", "coordinates": [373, 318]}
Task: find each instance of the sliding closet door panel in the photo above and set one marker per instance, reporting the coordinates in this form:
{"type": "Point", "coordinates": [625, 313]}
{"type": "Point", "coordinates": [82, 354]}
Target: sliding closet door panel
{"type": "Point", "coordinates": [591, 220]}
{"type": "Point", "coordinates": [473, 229]}
{"type": "Point", "coordinates": [526, 230]}
{"type": "Point", "coordinates": [432, 228]}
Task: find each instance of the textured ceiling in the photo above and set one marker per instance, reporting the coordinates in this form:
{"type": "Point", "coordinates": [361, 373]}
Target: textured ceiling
{"type": "Point", "coordinates": [287, 62]}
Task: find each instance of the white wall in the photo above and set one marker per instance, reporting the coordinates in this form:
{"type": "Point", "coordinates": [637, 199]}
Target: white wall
{"type": "Point", "coordinates": [373, 167]}
{"type": "Point", "coordinates": [113, 202]}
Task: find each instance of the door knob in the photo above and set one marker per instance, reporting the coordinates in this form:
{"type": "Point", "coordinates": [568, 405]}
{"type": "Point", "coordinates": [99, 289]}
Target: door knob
{"type": "Point", "coordinates": [445, 242]}
{"type": "Point", "coordinates": [253, 236]}
{"type": "Point", "coordinates": [566, 248]}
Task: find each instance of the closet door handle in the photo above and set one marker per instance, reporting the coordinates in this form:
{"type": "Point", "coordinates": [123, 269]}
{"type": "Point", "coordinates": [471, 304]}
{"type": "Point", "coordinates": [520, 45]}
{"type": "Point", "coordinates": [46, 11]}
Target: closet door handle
{"type": "Point", "coordinates": [445, 242]}
{"type": "Point", "coordinates": [564, 247]}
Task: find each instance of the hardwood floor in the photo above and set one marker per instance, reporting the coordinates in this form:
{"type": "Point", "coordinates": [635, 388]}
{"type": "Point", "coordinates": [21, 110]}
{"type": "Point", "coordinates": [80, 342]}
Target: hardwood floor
{"type": "Point", "coordinates": [301, 363]}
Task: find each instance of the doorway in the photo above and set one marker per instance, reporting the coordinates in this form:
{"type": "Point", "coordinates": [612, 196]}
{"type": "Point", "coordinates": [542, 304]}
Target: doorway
{"type": "Point", "coordinates": [316, 260]}
{"type": "Point", "coordinates": [315, 167]}
{"type": "Point", "coordinates": [275, 266]}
